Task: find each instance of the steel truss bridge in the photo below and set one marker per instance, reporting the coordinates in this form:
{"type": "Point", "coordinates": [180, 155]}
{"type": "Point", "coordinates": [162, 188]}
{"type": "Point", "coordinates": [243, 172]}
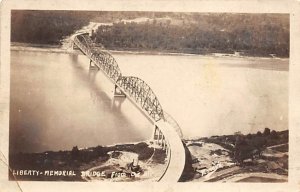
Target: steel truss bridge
{"type": "Point", "coordinates": [167, 133]}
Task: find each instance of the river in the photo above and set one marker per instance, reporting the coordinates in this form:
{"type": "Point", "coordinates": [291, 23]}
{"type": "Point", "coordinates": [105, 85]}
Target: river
{"type": "Point", "coordinates": [57, 102]}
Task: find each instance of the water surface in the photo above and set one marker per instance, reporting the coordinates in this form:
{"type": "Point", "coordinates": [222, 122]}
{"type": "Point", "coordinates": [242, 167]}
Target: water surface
{"type": "Point", "coordinates": [57, 102]}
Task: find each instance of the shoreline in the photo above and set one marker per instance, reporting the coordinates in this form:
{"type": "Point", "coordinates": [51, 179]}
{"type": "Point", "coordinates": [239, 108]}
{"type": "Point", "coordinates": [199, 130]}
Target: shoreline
{"type": "Point", "coordinates": [15, 46]}
{"type": "Point", "coordinates": [93, 163]}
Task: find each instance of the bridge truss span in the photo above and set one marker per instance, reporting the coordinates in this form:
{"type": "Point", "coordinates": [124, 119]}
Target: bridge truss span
{"type": "Point", "coordinates": [102, 59]}
{"type": "Point", "coordinates": [143, 95]}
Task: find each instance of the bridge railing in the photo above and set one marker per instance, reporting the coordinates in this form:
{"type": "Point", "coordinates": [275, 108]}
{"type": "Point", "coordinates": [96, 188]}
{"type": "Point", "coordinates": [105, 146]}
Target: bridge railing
{"type": "Point", "coordinates": [173, 123]}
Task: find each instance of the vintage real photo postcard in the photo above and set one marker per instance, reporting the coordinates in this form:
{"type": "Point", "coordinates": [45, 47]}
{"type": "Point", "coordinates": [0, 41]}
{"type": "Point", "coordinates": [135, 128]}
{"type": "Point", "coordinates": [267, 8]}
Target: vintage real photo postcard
{"type": "Point", "coordinates": [147, 95]}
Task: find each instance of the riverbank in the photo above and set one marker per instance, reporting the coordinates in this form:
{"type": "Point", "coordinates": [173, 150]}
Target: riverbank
{"type": "Point", "coordinates": [235, 158]}
{"type": "Point", "coordinates": [124, 162]}
{"type": "Point", "coordinates": [15, 46]}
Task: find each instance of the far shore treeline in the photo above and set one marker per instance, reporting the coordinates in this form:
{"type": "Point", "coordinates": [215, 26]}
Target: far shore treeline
{"type": "Point", "coordinates": [197, 33]}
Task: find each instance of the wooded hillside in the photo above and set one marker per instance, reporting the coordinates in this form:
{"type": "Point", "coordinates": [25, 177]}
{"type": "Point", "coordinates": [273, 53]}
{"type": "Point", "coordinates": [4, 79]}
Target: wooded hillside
{"type": "Point", "coordinates": [200, 33]}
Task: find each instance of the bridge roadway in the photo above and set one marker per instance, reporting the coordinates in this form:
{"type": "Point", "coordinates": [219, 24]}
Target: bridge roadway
{"type": "Point", "coordinates": [176, 153]}
{"type": "Point", "coordinates": [168, 134]}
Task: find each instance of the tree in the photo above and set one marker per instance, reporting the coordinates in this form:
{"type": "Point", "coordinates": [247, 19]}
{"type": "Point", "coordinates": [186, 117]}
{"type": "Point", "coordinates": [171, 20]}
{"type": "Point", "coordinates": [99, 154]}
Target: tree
{"type": "Point", "coordinates": [274, 134]}
{"type": "Point", "coordinates": [243, 150]}
{"type": "Point", "coordinates": [75, 153]}
{"type": "Point", "coordinates": [267, 131]}
{"type": "Point", "coordinates": [258, 133]}
{"type": "Point", "coordinates": [249, 136]}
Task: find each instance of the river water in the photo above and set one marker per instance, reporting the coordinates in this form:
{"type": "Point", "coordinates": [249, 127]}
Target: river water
{"type": "Point", "coordinates": [57, 102]}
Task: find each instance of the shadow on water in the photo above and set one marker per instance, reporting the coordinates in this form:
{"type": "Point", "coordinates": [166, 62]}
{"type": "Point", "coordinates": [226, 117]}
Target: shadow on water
{"type": "Point", "coordinates": [116, 102]}
{"type": "Point", "coordinates": [111, 103]}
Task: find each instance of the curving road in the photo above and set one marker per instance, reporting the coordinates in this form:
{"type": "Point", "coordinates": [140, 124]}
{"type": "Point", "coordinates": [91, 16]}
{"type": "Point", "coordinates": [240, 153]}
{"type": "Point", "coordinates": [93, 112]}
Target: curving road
{"type": "Point", "coordinates": [176, 153]}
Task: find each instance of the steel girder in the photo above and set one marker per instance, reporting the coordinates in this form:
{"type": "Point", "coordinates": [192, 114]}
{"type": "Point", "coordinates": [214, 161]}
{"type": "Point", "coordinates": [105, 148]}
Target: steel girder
{"type": "Point", "coordinates": [143, 96]}
{"type": "Point", "coordinates": [102, 59]}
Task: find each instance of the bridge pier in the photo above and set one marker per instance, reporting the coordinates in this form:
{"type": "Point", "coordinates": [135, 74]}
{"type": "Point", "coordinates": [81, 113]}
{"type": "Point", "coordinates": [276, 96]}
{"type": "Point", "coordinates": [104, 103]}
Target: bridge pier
{"type": "Point", "coordinates": [74, 46]}
{"type": "Point", "coordinates": [116, 103]}
{"type": "Point", "coordinates": [154, 132]}
{"type": "Point", "coordinates": [118, 92]}
{"type": "Point", "coordinates": [163, 142]}
{"type": "Point", "coordinates": [159, 138]}
{"type": "Point", "coordinates": [93, 66]}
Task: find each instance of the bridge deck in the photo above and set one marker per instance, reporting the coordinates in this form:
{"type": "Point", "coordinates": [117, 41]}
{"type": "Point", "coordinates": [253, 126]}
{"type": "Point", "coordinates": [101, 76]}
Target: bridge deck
{"type": "Point", "coordinates": [177, 153]}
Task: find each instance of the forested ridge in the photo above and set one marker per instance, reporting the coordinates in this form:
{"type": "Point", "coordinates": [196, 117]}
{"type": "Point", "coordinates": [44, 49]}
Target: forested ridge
{"type": "Point", "coordinates": [258, 34]}
{"type": "Point", "coordinates": [44, 27]}
{"type": "Point", "coordinates": [198, 33]}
